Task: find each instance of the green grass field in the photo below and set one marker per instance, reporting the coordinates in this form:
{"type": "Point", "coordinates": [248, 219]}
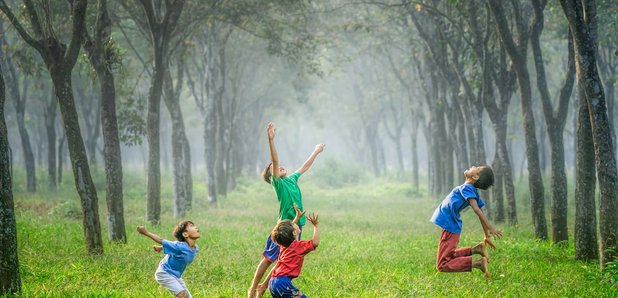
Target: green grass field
{"type": "Point", "coordinates": [377, 241]}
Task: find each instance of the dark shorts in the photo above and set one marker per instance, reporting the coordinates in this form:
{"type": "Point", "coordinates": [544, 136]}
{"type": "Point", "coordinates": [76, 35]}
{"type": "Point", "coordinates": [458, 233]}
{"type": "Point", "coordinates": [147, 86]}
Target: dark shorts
{"type": "Point", "coordinates": [271, 250]}
{"type": "Point", "coordinates": [282, 287]}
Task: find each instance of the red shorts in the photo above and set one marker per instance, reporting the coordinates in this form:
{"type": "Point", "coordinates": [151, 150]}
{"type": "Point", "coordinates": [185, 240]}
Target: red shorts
{"type": "Point", "coordinates": [450, 258]}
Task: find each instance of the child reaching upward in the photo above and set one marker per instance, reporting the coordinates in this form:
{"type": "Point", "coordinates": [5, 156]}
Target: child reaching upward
{"type": "Point", "coordinates": [288, 194]}
{"type": "Point", "coordinates": [178, 255]}
{"type": "Point", "coordinates": [293, 251]}
{"type": "Point", "coordinates": [453, 259]}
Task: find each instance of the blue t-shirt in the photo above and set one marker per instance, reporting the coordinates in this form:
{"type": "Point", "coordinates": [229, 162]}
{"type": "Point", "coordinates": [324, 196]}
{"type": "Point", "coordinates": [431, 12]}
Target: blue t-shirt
{"type": "Point", "coordinates": [447, 214]}
{"type": "Point", "coordinates": [178, 255]}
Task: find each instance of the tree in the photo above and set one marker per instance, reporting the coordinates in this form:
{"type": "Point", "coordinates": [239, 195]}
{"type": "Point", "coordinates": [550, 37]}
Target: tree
{"type": "Point", "coordinates": [582, 19]}
{"type": "Point", "coordinates": [19, 102]}
{"type": "Point", "coordinates": [60, 59]}
{"type": "Point", "coordinates": [517, 52]}
{"type": "Point", "coordinates": [555, 120]}
{"type": "Point", "coordinates": [10, 281]}
{"type": "Point", "coordinates": [102, 56]}
{"type": "Point", "coordinates": [159, 21]}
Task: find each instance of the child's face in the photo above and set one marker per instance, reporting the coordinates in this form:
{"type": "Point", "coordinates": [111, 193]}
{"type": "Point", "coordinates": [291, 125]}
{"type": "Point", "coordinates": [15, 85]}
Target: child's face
{"type": "Point", "coordinates": [472, 172]}
{"type": "Point", "coordinates": [296, 231]}
{"type": "Point", "coordinates": [282, 171]}
{"type": "Point", "coordinates": [192, 232]}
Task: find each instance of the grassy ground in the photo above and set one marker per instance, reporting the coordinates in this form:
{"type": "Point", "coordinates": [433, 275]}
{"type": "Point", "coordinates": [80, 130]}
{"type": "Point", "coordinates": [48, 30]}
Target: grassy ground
{"type": "Point", "coordinates": [377, 241]}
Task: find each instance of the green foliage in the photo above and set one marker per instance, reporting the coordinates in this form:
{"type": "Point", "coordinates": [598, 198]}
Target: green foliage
{"type": "Point", "coordinates": [131, 122]}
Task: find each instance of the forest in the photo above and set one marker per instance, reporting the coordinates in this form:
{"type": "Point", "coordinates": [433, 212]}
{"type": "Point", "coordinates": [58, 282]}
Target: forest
{"type": "Point", "coordinates": [116, 114]}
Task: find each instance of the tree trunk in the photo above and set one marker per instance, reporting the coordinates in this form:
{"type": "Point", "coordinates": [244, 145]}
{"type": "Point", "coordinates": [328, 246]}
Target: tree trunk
{"type": "Point", "coordinates": [180, 145]}
{"type": "Point", "coordinates": [50, 126]}
{"type": "Point", "coordinates": [79, 159]}
{"type": "Point", "coordinates": [210, 121]}
{"type": "Point", "coordinates": [10, 281]}
{"type": "Point", "coordinates": [582, 22]}
{"type": "Point", "coordinates": [586, 245]}
{"type": "Point", "coordinates": [535, 178]}
{"type": "Point", "coordinates": [555, 123]}
{"type": "Point", "coordinates": [19, 102]}
{"type": "Point", "coordinates": [60, 60]}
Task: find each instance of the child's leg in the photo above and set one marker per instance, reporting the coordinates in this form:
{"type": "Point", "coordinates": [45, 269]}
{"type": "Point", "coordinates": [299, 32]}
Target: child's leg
{"type": "Point", "coordinates": [451, 259]}
{"type": "Point", "coordinates": [481, 265]}
{"type": "Point", "coordinates": [175, 285]}
{"type": "Point", "coordinates": [270, 253]}
{"type": "Point", "coordinates": [481, 249]}
{"type": "Point", "coordinates": [259, 273]}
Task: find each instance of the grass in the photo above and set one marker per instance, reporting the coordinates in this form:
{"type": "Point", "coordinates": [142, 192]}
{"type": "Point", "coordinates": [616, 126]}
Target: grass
{"type": "Point", "coordinates": [377, 241]}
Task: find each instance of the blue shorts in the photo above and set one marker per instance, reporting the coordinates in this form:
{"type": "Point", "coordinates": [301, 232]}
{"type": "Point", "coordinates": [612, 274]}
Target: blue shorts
{"type": "Point", "coordinates": [282, 287]}
{"type": "Point", "coordinates": [271, 250]}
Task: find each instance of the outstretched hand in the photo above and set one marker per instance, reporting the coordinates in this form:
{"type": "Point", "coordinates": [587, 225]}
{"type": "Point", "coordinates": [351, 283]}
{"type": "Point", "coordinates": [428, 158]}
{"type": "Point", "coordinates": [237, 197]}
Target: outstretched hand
{"type": "Point", "coordinates": [497, 234]}
{"type": "Point", "coordinates": [319, 148]}
{"type": "Point", "coordinates": [313, 218]}
{"type": "Point", "coordinates": [142, 230]}
{"type": "Point", "coordinates": [299, 213]}
{"type": "Point", "coordinates": [271, 131]}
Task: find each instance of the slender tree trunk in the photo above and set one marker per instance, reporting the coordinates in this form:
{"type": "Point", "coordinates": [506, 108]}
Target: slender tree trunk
{"type": "Point", "coordinates": [153, 205]}
{"type": "Point", "coordinates": [535, 178]}
{"type": "Point", "coordinates": [79, 161]}
{"type": "Point", "coordinates": [179, 144]}
{"type": "Point", "coordinates": [586, 245]}
{"type": "Point", "coordinates": [19, 102]}
{"type": "Point", "coordinates": [10, 280]}
{"type": "Point", "coordinates": [555, 123]}
{"type": "Point", "coordinates": [50, 126]}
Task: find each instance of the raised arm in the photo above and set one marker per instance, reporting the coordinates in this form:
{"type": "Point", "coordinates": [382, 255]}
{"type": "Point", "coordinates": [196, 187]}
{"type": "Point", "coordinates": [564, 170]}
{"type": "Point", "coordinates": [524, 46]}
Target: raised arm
{"type": "Point", "coordinates": [488, 229]}
{"type": "Point", "coordinates": [152, 236]}
{"type": "Point", "coordinates": [313, 218]}
{"type": "Point", "coordinates": [299, 214]}
{"type": "Point", "coordinates": [307, 164]}
{"type": "Point", "coordinates": [273, 151]}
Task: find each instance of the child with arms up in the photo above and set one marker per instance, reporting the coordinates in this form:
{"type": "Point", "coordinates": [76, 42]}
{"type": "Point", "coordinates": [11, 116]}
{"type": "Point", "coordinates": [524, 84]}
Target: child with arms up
{"type": "Point", "coordinates": [288, 194]}
{"type": "Point", "coordinates": [290, 262]}
{"type": "Point", "coordinates": [178, 255]}
{"type": "Point", "coordinates": [447, 216]}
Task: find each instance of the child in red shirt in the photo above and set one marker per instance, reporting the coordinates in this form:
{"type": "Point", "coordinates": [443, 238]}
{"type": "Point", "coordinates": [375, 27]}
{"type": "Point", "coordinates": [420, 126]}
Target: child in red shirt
{"type": "Point", "coordinates": [290, 260]}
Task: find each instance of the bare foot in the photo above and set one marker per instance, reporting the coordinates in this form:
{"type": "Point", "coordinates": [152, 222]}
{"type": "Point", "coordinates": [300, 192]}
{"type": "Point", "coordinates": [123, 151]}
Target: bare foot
{"type": "Point", "coordinates": [261, 290]}
{"type": "Point", "coordinates": [251, 293]}
{"type": "Point", "coordinates": [483, 267]}
{"type": "Point", "coordinates": [481, 249]}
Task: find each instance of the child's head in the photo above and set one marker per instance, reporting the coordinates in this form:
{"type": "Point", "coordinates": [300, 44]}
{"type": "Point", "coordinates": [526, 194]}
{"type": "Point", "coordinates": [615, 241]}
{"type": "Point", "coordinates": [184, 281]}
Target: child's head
{"type": "Point", "coordinates": [285, 232]}
{"type": "Point", "coordinates": [186, 229]}
{"type": "Point", "coordinates": [482, 176]}
{"type": "Point", "coordinates": [268, 172]}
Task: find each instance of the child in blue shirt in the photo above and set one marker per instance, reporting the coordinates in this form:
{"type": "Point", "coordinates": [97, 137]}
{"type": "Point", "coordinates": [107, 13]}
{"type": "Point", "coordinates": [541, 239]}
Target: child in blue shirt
{"type": "Point", "coordinates": [453, 259]}
{"type": "Point", "coordinates": [178, 255]}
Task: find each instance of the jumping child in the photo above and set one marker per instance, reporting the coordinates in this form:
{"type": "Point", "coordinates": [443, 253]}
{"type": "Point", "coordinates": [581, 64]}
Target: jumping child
{"type": "Point", "coordinates": [453, 259]}
{"type": "Point", "coordinates": [288, 194]}
{"type": "Point", "coordinates": [290, 262]}
{"type": "Point", "coordinates": [178, 255]}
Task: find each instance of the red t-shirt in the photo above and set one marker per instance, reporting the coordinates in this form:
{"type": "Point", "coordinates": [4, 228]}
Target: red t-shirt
{"type": "Point", "coordinates": [290, 259]}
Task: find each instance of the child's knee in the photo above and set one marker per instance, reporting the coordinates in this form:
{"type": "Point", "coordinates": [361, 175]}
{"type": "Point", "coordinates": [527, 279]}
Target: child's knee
{"type": "Point", "coordinates": [182, 294]}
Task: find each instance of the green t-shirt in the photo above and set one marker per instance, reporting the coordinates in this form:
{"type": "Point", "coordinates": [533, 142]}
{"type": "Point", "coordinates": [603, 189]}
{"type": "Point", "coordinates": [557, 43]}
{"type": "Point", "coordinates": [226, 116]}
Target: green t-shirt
{"type": "Point", "coordinates": [288, 193]}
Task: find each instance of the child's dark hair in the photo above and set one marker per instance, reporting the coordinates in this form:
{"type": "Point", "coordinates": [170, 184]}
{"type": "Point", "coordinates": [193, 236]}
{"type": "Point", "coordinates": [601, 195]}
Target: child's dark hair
{"type": "Point", "coordinates": [486, 177]}
{"type": "Point", "coordinates": [266, 173]}
{"type": "Point", "coordinates": [180, 228]}
{"type": "Point", "coordinates": [283, 233]}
